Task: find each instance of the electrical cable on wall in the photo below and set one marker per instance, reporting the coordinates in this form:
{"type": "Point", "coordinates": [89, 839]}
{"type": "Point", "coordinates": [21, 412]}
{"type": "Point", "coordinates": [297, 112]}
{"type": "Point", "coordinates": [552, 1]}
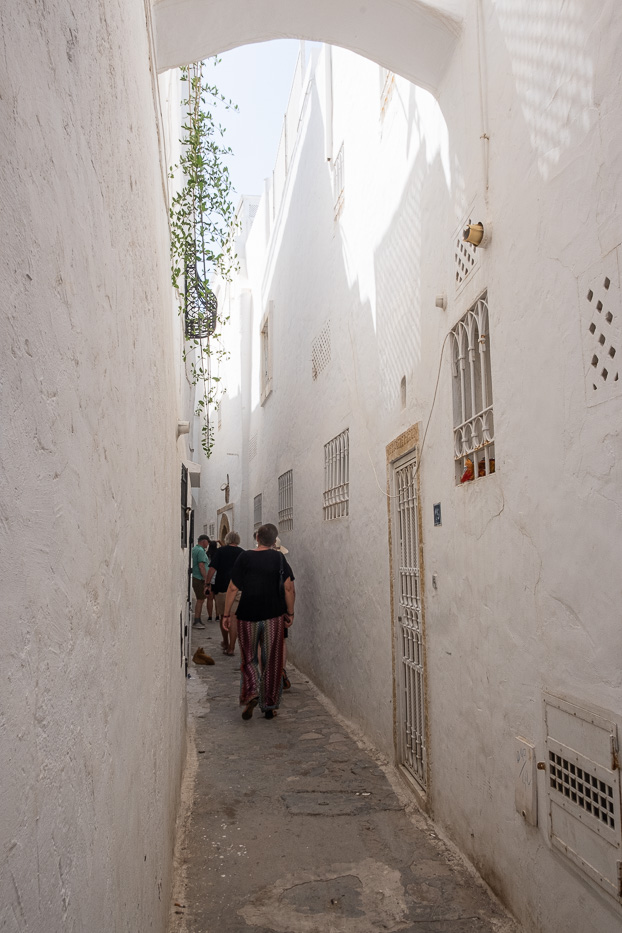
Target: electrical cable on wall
{"type": "Point", "coordinates": [438, 376]}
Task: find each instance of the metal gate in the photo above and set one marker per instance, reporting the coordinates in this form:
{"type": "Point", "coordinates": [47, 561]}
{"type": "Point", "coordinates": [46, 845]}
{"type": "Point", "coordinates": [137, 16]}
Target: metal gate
{"type": "Point", "coordinates": [409, 628]}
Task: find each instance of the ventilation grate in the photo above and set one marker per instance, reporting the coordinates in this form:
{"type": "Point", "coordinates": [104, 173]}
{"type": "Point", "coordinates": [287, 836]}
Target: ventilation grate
{"type": "Point", "coordinates": [601, 327]}
{"type": "Point", "coordinates": [252, 447]}
{"type": "Point", "coordinates": [320, 351]}
{"type": "Point", "coordinates": [582, 788]}
{"type": "Point", "coordinates": [603, 330]}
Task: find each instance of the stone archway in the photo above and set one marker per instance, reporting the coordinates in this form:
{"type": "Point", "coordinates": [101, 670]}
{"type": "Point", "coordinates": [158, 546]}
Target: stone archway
{"type": "Point", "coordinates": [413, 38]}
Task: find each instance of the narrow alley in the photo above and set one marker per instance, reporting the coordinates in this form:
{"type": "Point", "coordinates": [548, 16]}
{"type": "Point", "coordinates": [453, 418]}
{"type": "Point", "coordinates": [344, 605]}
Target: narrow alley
{"type": "Point", "coordinates": [295, 826]}
{"type": "Point", "coordinates": [397, 339]}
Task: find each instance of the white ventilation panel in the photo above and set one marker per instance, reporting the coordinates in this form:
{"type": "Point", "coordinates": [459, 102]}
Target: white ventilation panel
{"type": "Point", "coordinates": [583, 788]}
{"type": "Point", "coordinates": [601, 329]}
{"type": "Point", "coordinates": [320, 351]}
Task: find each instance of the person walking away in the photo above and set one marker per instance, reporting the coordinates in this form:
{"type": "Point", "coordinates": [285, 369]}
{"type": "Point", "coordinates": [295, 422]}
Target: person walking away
{"type": "Point", "coordinates": [221, 566]}
{"type": "Point", "coordinates": [199, 577]}
{"type": "Point", "coordinates": [266, 609]}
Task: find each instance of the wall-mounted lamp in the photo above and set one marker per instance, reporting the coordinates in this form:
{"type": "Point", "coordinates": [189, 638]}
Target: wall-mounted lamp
{"type": "Point", "coordinates": [477, 235]}
{"type": "Point", "coordinates": [441, 302]}
{"type": "Point", "coordinates": [183, 427]}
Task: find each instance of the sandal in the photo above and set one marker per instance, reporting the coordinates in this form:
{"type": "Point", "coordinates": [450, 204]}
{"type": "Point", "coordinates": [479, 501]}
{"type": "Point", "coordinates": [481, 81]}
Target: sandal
{"type": "Point", "coordinates": [250, 706]}
{"type": "Point", "coordinates": [270, 713]}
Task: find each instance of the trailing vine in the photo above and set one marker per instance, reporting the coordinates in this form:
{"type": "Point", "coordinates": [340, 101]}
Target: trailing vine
{"type": "Point", "coordinates": [202, 224]}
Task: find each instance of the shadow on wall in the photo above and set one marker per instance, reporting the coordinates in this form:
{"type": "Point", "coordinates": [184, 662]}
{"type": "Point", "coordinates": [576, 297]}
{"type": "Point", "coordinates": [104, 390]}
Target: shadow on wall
{"type": "Point", "coordinates": [553, 74]}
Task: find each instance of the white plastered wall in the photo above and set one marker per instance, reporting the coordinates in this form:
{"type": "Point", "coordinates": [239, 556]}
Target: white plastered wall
{"type": "Point", "coordinates": [525, 561]}
{"type": "Point", "coordinates": [92, 697]}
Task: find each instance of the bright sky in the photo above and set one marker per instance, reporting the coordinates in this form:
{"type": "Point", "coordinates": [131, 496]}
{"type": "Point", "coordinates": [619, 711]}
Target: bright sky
{"type": "Point", "coordinates": [258, 79]}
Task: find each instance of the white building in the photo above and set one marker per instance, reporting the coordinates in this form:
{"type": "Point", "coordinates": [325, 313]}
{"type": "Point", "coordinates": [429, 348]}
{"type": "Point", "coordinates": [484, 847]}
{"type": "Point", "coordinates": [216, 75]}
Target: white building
{"type": "Point", "coordinates": [94, 575]}
{"type": "Point", "coordinates": [514, 598]}
{"type": "Point", "coordinates": [471, 628]}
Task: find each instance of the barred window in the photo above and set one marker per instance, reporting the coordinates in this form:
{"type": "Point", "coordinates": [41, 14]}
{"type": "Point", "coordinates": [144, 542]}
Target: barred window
{"type": "Point", "coordinates": [286, 501]}
{"type": "Point", "coordinates": [266, 354]}
{"type": "Point", "coordinates": [338, 182]}
{"type": "Point", "coordinates": [337, 476]}
{"type": "Point", "coordinates": [257, 512]}
{"type": "Point", "coordinates": [212, 531]}
{"type": "Point", "coordinates": [474, 435]}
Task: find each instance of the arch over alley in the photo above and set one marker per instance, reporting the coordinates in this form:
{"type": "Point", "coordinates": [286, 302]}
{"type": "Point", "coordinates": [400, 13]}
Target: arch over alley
{"type": "Point", "coordinates": [413, 38]}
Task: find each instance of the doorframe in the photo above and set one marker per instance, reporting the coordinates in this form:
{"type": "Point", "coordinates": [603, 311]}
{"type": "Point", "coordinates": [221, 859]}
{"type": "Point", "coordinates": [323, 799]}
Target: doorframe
{"type": "Point", "coordinates": [404, 444]}
{"type": "Point", "coordinates": [227, 511]}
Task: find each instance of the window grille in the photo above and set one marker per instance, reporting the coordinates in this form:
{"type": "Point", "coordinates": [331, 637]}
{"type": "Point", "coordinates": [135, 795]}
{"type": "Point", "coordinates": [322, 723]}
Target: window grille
{"type": "Point", "coordinates": [320, 351]}
{"type": "Point", "coordinates": [337, 476]}
{"type": "Point", "coordinates": [184, 506]}
{"type": "Point", "coordinates": [474, 436]}
{"type": "Point", "coordinates": [252, 447]}
{"type": "Point", "coordinates": [286, 501]}
{"type": "Point", "coordinates": [257, 512]}
{"type": "Point", "coordinates": [338, 182]}
{"type": "Point", "coordinates": [266, 355]}
{"type": "Point", "coordinates": [212, 531]}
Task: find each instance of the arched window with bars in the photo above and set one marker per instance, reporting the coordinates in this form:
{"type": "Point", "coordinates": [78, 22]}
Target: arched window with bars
{"type": "Point", "coordinates": [474, 435]}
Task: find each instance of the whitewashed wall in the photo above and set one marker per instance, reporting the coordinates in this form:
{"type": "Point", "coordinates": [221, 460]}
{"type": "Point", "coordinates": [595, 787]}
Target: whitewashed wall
{"type": "Point", "coordinates": [528, 583]}
{"type": "Point", "coordinates": [92, 697]}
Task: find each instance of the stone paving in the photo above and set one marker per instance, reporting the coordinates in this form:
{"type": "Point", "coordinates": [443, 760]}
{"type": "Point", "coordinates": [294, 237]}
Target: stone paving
{"type": "Point", "coordinates": [294, 826]}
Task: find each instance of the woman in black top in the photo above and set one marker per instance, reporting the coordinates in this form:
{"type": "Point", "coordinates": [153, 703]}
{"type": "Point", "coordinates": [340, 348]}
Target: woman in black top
{"type": "Point", "coordinates": [266, 608]}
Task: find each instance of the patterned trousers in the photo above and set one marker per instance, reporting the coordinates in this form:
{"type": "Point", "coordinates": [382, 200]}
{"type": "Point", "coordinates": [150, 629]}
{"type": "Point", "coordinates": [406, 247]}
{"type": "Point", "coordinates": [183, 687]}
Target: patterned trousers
{"type": "Point", "coordinates": [265, 637]}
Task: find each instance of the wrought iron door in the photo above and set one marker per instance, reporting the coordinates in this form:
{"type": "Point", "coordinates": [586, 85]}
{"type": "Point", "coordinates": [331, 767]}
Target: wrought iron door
{"type": "Point", "coordinates": [409, 628]}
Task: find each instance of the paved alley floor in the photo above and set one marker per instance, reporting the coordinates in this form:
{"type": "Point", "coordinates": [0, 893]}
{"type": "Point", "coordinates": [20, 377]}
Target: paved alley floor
{"type": "Point", "coordinates": [292, 826]}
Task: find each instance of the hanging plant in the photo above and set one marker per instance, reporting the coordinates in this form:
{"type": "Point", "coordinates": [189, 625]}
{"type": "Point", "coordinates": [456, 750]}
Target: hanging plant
{"type": "Point", "coordinates": [202, 230]}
